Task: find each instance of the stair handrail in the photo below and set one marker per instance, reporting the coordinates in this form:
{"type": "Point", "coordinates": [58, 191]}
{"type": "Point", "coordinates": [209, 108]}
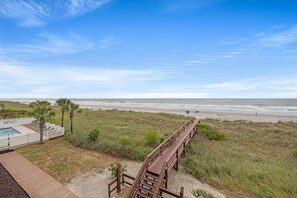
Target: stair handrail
{"type": "Point", "coordinates": [159, 150]}
{"type": "Point", "coordinates": [160, 180]}
{"type": "Point", "coordinates": [138, 178]}
{"type": "Point", "coordinates": [153, 156]}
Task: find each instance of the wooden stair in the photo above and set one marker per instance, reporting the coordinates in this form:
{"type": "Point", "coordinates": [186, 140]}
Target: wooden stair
{"type": "Point", "coordinates": [148, 184]}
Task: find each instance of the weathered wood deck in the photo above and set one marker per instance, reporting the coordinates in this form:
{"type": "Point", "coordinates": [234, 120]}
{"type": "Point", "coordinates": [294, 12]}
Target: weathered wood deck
{"type": "Point", "coordinates": [36, 182]}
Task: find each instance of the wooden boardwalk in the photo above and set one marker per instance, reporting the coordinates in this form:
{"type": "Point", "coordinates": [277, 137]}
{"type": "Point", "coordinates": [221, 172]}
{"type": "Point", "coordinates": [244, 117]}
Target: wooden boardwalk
{"type": "Point", "coordinates": [36, 182]}
{"type": "Point", "coordinates": [170, 151]}
{"type": "Point", "coordinates": [152, 178]}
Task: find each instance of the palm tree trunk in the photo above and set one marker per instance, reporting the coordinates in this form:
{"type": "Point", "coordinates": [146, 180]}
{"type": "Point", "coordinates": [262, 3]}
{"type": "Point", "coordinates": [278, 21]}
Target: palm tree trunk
{"type": "Point", "coordinates": [62, 122]}
{"type": "Point", "coordinates": [41, 130]}
{"type": "Point", "coordinates": [71, 122]}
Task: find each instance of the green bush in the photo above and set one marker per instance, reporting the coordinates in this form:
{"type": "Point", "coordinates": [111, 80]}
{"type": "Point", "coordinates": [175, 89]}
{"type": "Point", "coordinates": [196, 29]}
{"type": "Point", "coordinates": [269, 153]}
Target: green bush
{"type": "Point", "coordinates": [210, 133]}
{"type": "Point", "coordinates": [165, 136]}
{"type": "Point", "coordinates": [152, 138]}
{"type": "Point", "coordinates": [295, 153]}
{"type": "Point", "coordinates": [199, 193]}
{"type": "Point", "coordinates": [93, 135]}
{"type": "Point", "coordinates": [113, 168]}
{"type": "Point", "coordinates": [123, 140]}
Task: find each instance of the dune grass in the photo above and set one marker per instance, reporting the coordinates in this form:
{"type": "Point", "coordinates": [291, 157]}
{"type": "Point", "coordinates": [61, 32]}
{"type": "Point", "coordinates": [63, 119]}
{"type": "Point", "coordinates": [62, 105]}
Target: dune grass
{"type": "Point", "coordinates": [255, 161]}
{"type": "Point", "coordinates": [63, 161]}
{"type": "Point", "coordinates": [122, 133]}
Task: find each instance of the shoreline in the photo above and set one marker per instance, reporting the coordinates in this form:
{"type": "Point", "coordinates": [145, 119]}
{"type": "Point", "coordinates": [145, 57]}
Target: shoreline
{"type": "Point", "coordinates": [220, 115]}
{"type": "Point", "coordinates": [199, 111]}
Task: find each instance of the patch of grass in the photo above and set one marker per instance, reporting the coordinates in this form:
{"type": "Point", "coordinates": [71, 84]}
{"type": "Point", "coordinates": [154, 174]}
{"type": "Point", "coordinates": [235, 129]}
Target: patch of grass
{"type": "Point", "coordinates": [255, 161]}
{"type": "Point", "coordinates": [63, 161]}
{"type": "Point", "coordinates": [122, 132]}
{"type": "Point", "coordinates": [295, 153]}
{"type": "Point", "coordinates": [151, 138]}
{"type": "Point", "coordinates": [14, 106]}
{"type": "Point", "coordinates": [199, 193]}
{"type": "Point", "coordinates": [114, 124]}
{"type": "Point", "coordinates": [210, 133]}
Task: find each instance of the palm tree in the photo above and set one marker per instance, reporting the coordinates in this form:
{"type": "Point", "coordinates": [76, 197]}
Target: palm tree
{"type": "Point", "coordinates": [72, 107]}
{"type": "Point", "coordinates": [42, 111]}
{"type": "Point", "coordinates": [2, 107]}
{"type": "Point", "coordinates": [63, 103]}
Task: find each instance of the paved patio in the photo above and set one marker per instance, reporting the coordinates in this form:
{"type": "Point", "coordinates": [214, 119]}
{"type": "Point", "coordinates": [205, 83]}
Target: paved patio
{"type": "Point", "coordinates": [36, 182]}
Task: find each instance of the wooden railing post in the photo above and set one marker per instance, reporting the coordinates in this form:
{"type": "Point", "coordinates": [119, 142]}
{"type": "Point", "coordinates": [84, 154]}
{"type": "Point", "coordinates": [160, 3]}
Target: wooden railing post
{"type": "Point", "coordinates": [181, 194]}
{"type": "Point", "coordinates": [118, 172]}
{"type": "Point", "coordinates": [184, 151]}
{"type": "Point", "coordinates": [176, 163]}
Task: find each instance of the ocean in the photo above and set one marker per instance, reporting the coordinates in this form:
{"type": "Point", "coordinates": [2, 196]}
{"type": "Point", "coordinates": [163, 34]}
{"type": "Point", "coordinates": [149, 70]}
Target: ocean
{"type": "Point", "coordinates": [285, 107]}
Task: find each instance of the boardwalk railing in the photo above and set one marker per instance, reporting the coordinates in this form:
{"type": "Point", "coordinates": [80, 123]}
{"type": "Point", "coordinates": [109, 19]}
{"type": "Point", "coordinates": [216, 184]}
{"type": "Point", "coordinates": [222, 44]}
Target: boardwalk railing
{"type": "Point", "coordinates": [154, 155]}
{"type": "Point", "coordinates": [119, 181]}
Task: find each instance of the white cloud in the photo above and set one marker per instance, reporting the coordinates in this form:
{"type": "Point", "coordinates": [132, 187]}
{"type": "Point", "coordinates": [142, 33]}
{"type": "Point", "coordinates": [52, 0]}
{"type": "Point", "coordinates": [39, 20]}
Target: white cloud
{"type": "Point", "coordinates": [55, 45]}
{"type": "Point", "coordinates": [55, 81]}
{"type": "Point", "coordinates": [278, 39]}
{"type": "Point", "coordinates": [35, 13]}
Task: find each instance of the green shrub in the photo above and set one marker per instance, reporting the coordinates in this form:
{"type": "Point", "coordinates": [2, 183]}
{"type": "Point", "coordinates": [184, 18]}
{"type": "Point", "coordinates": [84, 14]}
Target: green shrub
{"type": "Point", "coordinates": [140, 153]}
{"type": "Point", "coordinates": [93, 135]}
{"type": "Point", "coordinates": [152, 138]}
{"type": "Point", "coordinates": [113, 168]}
{"type": "Point", "coordinates": [199, 193]}
{"type": "Point", "coordinates": [295, 153]}
{"type": "Point", "coordinates": [165, 136]}
{"type": "Point", "coordinates": [210, 133]}
{"type": "Point", "coordinates": [123, 140]}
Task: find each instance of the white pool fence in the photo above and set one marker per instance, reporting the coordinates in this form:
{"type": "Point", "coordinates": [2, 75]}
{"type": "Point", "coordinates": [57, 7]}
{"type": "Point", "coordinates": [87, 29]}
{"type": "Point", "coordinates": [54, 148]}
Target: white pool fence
{"type": "Point", "coordinates": [7, 142]}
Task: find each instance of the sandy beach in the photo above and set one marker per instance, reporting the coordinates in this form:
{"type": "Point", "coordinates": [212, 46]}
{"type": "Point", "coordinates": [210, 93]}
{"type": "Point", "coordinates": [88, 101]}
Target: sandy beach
{"type": "Point", "coordinates": [262, 110]}
{"type": "Point", "coordinates": [92, 184]}
{"type": "Point", "coordinates": [219, 113]}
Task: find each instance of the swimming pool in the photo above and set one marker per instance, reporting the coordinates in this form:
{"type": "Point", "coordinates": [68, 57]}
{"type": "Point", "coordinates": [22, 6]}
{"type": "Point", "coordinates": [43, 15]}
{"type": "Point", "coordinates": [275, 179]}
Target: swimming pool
{"type": "Point", "coordinates": [8, 131]}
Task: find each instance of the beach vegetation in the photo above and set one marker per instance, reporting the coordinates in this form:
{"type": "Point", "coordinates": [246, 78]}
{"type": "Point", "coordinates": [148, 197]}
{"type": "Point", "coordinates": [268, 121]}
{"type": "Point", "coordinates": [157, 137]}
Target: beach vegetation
{"type": "Point", "coordinates": [2, 107]}
{"type": "Point", "coordinates": [210, 133]}
{"type": "Point", "coordinates": [72, 107]}
{"type": "Point", "coordinates": [254, 161]}
{"type": "Point", "coordinates": [42, 111]}
{"type": "Point", "coordinates": [93, 135]}
{"type": "Point", "coordinates": [295, 153]}
{"type": "Point", "coordinates": [123, 140]}
{"type": "Point", "coordinates": [113, 168]}
{"type": "Point", "coordinates": [199, 193]}
{"type": "Point", "coordinates": [63, 160]}
{"type": "Point", "coordinates": [152, 138]}
{"type": "Point", "coordinates": [164, 137]}
{"type": "Point", "coordinates": [63, 103]}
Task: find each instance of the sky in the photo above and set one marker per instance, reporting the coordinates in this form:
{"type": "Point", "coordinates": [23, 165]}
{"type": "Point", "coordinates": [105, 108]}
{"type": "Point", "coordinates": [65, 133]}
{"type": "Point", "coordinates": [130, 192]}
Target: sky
{"type": "Point", "coordinates": [148, 49]}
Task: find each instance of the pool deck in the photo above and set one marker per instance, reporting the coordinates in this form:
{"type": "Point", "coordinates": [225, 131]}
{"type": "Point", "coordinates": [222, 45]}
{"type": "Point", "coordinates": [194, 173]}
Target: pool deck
{"type": "Point", "coordinates": [36, 182]}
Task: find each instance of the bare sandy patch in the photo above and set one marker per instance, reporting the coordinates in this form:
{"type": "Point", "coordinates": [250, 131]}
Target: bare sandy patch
{"type": "Point", "coordinates": [94, 184]}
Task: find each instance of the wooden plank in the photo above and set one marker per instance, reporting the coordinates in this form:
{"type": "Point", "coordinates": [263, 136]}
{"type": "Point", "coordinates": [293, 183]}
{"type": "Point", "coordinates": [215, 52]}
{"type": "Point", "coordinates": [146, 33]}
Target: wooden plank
{"type": "Point", "coordinates": [36, 182]}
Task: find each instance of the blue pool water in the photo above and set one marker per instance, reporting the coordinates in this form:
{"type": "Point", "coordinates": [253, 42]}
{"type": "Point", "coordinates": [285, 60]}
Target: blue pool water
{"type": "Point", "coordinates": [8, 131]}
